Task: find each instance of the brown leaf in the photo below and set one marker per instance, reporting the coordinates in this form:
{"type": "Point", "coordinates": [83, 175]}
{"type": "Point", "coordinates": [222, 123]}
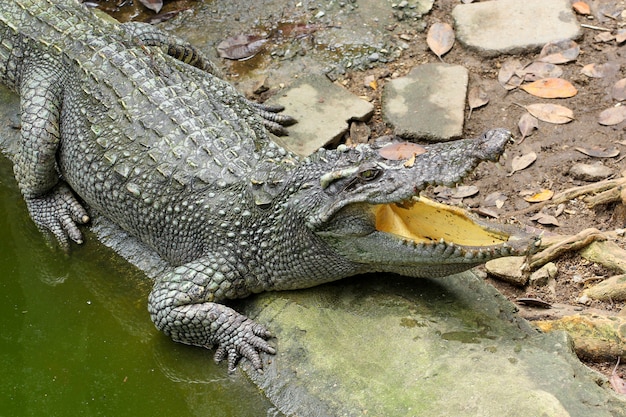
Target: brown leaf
{"type": "Point", "coordinates": [477, 97]}
{"type": "Point", "coordinates": [495, 199]}
{"type": "Point", "coordinates": [600, 70]}
{"type": "Point", "coordinates": [507, 76]}
{"type": "Point", "coordinates": [533, 302]}
{"type": "Point", "coordinates": [551, 113]}
{"type": "Point", "coordinates": [604, 37]}
{"type": "Point", "coordinates": [581, 8]}
{"type": "Point", "coordinates": [559, 52]}
{"type": "Point", "coordinates": [401, 150]}
{"type": "Point", "coordinates": [599, 152]}
{"type": "Point", "coordinates": [240, 47]}
{"type": "Point", "coordinates": [551, 88]}
{"type": "Point", "coordinates": [545, 219]}
{"type": "Point", "coordinates": [619, 90]}
{"type": "Point", "coordinates": [527, 124]}
{"type": "Point", "coordinates": [370, 81]}
{"type": "Point", "coordinates": [538, 70]}
{"type": "Point", "coordinates": [163, 17]}
{"type": "Point", "coordinates": [154, 5]}
{"type": "Point", "coordinates": [542, 195]}
{"type": "Point", "coordinates": [440, 38]}
{"type": "Point", "coordinates": [463, 191]}
{"type": "Point", "coordinates": [522, 162]}
{"type": "Point", "coordinates": [612, 116]}
{"type": "Point", "coordinates": [409, 162]}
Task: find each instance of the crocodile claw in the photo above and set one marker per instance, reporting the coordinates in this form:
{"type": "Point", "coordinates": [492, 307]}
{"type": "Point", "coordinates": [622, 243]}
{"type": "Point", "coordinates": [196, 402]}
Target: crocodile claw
{"type": "Point", "coordinates": [59, 213]}
{"type": "Point", "coordinates": [246, 340]}
{"type": "Point", "coordinates": [272, 120]}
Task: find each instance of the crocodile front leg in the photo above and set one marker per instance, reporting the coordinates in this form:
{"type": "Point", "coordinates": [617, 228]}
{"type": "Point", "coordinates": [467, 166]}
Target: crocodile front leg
{"type": "Point", "coordinates": [184, 305]}
{"type": "Point", "coordinates": [51, 204]}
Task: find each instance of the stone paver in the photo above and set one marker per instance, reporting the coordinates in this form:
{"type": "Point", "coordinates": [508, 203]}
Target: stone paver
{"type": "Point", "coordinates": [428, 103]}
{"type": "Point", "coordinates": [322, 109]}
{"type": "Point", "coordinates": [513, 26]}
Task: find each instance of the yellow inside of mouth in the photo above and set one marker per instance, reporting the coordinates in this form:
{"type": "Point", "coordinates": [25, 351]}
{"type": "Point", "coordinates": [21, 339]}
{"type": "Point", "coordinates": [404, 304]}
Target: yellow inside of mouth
{"type": "Point", "coordinates": [424, 220]}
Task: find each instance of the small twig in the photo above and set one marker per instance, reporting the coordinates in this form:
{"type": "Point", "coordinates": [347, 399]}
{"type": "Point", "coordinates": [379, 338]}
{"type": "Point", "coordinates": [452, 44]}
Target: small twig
{"type": "Point", "coordinates": [572, 193]}
{"type": "Point", "coordinates": [609, 16]}
{"type": "Point", "coordinates": [595, 27]}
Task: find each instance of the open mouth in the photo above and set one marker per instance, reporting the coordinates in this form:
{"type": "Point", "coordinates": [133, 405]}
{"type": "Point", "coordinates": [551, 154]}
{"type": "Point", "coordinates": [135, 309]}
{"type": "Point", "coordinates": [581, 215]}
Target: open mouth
{"type": "Point", "coordinates": [425, 221]}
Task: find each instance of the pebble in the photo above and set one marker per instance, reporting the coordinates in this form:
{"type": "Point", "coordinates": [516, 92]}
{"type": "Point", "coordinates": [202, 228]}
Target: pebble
{"type": "Point", "coordinates": [374, 57]}
{"type": "Point", "coordinates": [587, 172]}
{"type": "Point", "coordinates": [540, 277]}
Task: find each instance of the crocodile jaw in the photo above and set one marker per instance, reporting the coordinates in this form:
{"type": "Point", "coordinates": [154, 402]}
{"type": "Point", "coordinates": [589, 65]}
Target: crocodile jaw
{"type": "Point", "coordinates": [420, 238]}
{"type": "Point", "coordinates": [448, 232]}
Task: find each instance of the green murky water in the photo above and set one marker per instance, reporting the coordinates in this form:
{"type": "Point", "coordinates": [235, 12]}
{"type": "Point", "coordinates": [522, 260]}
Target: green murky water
{"type": "Point", "coordinates": [76, 338]}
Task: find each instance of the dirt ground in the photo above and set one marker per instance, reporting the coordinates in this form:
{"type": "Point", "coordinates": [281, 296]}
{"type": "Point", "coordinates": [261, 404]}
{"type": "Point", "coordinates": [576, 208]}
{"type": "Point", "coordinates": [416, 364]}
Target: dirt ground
{"type": "Point", "coordinates": [554, 144]}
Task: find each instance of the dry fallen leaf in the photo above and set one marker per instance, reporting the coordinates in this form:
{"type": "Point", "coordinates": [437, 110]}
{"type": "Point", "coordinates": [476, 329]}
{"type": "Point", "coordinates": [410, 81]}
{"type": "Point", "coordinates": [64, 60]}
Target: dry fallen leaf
{"type": "Point", "coordinates": [401, 150]}
{"type": "Point", "coordinates": [604, 37]}
{"type": "Point", "coordinates": [620, 36]}
{"type": "Point", "coordinates": [559, 52]}
{"type": "Point", "coordinates": [612, 116]}
{"type": "Point", "coordinates": [477, 97]}
{"type": "Point", "coordinates": [459, 192]}
{"type": "Point", "coordinates": [410, 162]}
{"type": "Point", "coordinates": [154, 5]}
{"type": "Point", "coordinates": [440, 38]}
{"type": "Point", "coordinates": [551, 88]}
{"type": "Point", "coordinates": [599, 152]}
{"type": "Point", "coordinates": [464, 191]}
{"type": "Point", "coordinates": [370, 81]}
{"type": "Point", "coordinates": [240, 47]}
{"type": "Point", "coordinates": [533, 302]}
{"type": "Point", "coordinates": [581, 7]}
{"type": "Point", "coordinates": [507, 76]}
{"type": "Point", "coordinates": [619, 90]}
{"type": "Point", "coordinates": [542, 195]}
{"type": "Point", "coordinates": [522, 162]}
{"type": "Point", "coordinates": [495, 199]}
{"type": "Point", "coordinates": [600, 70]}
{"type": "Point", "coordinates": [527, 124]}
{"type": "Point", "coordinates": [545, 219]}
{"type": "Point", "coordinates": [538, 70]}
{"type": "Point", "coordinates": [551, 113]}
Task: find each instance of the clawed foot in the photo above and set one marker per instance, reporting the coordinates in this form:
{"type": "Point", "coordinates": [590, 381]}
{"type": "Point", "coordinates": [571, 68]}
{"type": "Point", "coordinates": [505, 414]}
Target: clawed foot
{"type": "Point", "coordinates": [273, 121]}
{"type": "Point", "coordinates": [243, 338]}
{"type": "Point", "coordinates": [59, 213]}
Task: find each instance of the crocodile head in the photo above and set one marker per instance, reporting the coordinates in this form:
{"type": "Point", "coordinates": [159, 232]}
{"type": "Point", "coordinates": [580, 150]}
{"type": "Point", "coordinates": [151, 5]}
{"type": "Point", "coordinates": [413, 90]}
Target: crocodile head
{"type": "Point", "coordinates": [368, 209]}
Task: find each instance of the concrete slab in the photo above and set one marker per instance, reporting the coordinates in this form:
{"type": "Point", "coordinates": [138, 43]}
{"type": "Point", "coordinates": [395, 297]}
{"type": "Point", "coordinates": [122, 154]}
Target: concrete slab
{"type": "Point", "coordinates": [512, 26]}
{"type": "Point", "coordinates": [428, 103]}
{"type": "Point", "coordinates": [383, 346]}
{"type": "Point", "coordinates": [322, 109]}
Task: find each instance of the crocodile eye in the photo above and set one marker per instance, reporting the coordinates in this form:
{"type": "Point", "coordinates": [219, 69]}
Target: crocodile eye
{"type": "Point", "coordinates": [369, 174]}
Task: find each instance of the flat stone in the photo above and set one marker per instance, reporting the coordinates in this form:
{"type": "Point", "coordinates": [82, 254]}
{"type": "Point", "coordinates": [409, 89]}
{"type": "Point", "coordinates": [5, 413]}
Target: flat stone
{"type": "Point", "coordinates": [513, 26]}
{"type": "Point", "coordinates": [428, 103]}
{"type": "Point", "coordinates": [588, 172]}
{"type": "Point", "coordinates": [508, 269]}
{"type": "Point", "coordinates": [382, 345]}
{"type": "Point", "coordinates": [322, 109]}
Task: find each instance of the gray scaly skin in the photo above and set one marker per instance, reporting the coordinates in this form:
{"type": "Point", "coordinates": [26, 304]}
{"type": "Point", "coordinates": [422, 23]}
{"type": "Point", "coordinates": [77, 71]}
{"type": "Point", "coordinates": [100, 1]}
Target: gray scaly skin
{"type": "Point", "coordinates": [113, 118]}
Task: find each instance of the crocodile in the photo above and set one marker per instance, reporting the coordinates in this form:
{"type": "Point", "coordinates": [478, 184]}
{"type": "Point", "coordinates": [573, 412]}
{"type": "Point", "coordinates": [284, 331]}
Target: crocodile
{"type": "Point", "coordinates": [136, 125]}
